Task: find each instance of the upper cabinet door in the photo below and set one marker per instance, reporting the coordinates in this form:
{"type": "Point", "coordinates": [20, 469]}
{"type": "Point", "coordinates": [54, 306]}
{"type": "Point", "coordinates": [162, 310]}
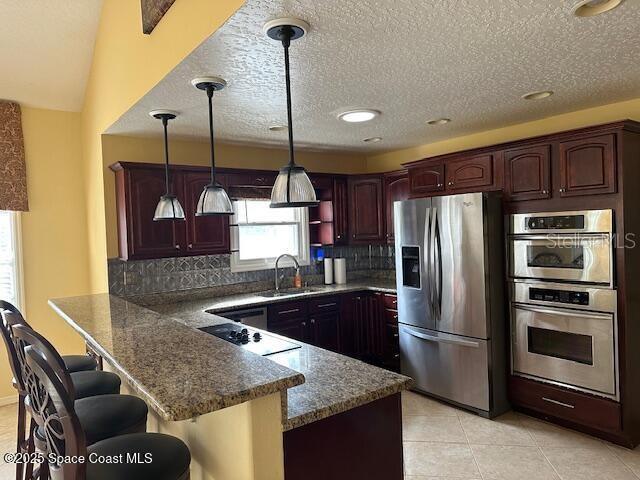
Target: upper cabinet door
{"type": "Point", "coordinates": [365, 209]}
{"type": "Point", "coordinates": [146, 237]}
{"type": "Point", "coordinates": [426, 179]}
{"type": "Point", "coordinates": [470, 173]}
{"type": "Point", "coordinates": [588, 166]}
{"type": "Point", "coordinates": [340, 211]}
{"type": "Point", "coordinates": [528, 173]}
{"type": "Point", "coordinates": [396, 188]}
{"type": "Point", "coordinates": [205, 235]}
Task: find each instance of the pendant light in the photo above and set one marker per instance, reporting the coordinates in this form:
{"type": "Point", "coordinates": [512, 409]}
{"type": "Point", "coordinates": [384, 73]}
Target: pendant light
{"type": "Point", "coordinates": [213, 199]}
{"type": "Point", "coordinates": [292, 187]}
{"type": "Point", "coordinates": [169, 207]}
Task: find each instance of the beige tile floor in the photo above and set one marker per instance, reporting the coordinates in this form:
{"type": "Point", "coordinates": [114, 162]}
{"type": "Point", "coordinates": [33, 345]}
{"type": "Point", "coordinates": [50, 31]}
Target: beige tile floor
{"type": "Point", "coordinates": [444, 443]}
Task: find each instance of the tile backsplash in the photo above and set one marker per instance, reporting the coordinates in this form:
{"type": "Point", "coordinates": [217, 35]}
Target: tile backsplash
{"type": "Point", "coordinates": [163, 275]}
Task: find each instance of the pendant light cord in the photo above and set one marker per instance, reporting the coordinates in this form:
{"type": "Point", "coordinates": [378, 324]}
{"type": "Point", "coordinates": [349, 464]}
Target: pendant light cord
{"type": "Point", "coordinates": [165, 121]}
{"type": "Point", "coordinates": [287, 33]}
{"type": "Point", "coordinates": [213, 154]}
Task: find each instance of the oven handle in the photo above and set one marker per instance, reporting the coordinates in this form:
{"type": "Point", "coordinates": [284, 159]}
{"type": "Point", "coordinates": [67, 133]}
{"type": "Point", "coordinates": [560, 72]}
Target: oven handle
{"type": "Point", "coordinates": [562, 311]}
{"type": "Point", "coordinates": [578, 237]}
{"type": "Point", "coordinates": [433, 338]}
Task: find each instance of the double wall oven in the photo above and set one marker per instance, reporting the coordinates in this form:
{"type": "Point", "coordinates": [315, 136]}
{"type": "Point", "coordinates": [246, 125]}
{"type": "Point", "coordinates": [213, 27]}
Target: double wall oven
{"type": "Point", "coordinates": [563, 301]}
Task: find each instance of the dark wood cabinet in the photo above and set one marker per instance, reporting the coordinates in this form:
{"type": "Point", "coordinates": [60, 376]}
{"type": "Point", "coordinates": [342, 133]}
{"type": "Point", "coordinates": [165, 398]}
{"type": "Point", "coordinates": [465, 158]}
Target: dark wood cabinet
{"type": "Point", "coordinates": [205, 235]}
{"type": "Point", "coordinates": [289, 319]}
{"type": "Point", "coordinates": [137, 194]}
{"type": "Point", "coordinates": [138, 189]}
{"type": "Point", "coordinates": [340, 211]}
{"type": "Point", "coordinates": [365, 209]}
{"type": "Point", "coordinates": [396, 188]}
{"type": "Point", "coordinates": [588, 166]}
{"type": "Point", "coordinates": [528, 173]}
{"type": "Point", "coordinates": [469, 173]}
{"type": "Point", "coordinates": [324, 330]}
{"type": "Point", "coordinates": [426, 178]}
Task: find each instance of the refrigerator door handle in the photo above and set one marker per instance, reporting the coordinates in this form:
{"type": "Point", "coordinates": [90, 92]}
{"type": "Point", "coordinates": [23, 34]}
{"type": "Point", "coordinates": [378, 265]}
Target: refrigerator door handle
{"type": "Point", "coordinates": [433, 338]}
{"type": "Point", "coordinates": [437, 255]}
{"type": "Point", "coordinates": [428, 260]}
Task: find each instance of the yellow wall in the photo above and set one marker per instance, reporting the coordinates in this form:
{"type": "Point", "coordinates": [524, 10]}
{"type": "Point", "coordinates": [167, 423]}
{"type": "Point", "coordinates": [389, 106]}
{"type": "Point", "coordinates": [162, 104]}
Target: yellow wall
{"type": "Point", "coordinates": [117, 148]}
{"type": "Point", "coordinates": [126, 65]}
{"type": "Point", "coordinates": [558, 123]}
{"type": "Point", "coordinates": [54, 231]}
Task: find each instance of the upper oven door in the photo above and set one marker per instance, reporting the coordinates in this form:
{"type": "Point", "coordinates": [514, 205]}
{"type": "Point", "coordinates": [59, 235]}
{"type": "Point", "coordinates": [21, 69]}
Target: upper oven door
{"type": "Point", "coordinates": [570, 258]}
{"type": "Point", "coordinates": [569, 347]}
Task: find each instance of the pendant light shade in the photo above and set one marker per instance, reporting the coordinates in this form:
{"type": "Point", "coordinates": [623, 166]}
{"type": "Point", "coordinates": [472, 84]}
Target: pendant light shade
{"type": "Point", "coordinates": [168, 207]}
{"type": "Point", "coordinates": [213, 199]}
{"type": "Point", "coordinates": [292, 187]}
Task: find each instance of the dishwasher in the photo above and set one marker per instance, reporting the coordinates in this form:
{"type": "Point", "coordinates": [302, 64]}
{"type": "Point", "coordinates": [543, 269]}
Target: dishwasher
{"type": "Point", "coordinates": [252, 317]}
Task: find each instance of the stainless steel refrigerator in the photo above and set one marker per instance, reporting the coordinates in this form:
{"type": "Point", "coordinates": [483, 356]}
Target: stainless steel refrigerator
{"type": "Point", "coordinates": [451, 307]}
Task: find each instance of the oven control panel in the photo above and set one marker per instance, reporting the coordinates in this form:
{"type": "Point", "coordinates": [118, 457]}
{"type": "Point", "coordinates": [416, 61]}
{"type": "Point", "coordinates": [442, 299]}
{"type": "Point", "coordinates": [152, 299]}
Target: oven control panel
{"type": "Point", "coordinates": [564, 222]}
{"type": "Point", "coordinates": [559, 296]}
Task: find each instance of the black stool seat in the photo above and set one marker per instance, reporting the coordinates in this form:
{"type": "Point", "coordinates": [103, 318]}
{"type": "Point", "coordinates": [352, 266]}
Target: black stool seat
{"type": "Point", "coordinates": [79, 363]}
{"type": "Point", "coordinates": [92, 383]}
{"type": "Point", "coordinates": [170, 458]}
{"type": "Point", "coordinates": [107, 416]}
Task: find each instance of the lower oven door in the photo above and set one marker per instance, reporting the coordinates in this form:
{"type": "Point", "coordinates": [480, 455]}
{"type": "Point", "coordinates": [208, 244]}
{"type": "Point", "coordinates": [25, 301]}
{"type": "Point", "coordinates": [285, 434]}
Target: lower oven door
{"type": "Point", "coordinates": [569, 347]}
{"type": "Point", "coordinates": [578, 258]}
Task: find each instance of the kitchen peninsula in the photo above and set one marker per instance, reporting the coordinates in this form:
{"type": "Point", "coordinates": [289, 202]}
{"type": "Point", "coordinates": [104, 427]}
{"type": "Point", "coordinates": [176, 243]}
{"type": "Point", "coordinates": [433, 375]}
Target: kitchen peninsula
{"type": "Point", "coordinates": [211, 392]}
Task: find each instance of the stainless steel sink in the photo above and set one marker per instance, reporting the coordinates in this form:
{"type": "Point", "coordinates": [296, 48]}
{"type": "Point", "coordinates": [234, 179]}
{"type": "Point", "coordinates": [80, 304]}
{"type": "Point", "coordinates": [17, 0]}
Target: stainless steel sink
{"type": "Point", "coordinates": [289, 292]}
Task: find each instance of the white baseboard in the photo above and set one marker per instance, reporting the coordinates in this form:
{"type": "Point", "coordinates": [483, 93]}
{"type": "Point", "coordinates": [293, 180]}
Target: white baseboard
{"type": "Point", "coordinates": [8, 400]}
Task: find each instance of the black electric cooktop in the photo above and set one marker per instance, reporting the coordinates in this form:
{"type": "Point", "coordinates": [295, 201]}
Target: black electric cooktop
{"type": "Point", "coordinates": [250, 339]}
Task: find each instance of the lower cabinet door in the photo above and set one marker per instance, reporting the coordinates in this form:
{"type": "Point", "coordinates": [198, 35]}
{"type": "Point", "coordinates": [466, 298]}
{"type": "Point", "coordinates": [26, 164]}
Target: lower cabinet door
{"type": "Point", "coordinates": [324, 330]}
{"type": "Point", "coordinates": [295, 329]}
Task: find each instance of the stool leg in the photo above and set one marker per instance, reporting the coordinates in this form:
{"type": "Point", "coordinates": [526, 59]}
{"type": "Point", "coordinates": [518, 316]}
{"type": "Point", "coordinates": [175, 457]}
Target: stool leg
{"type": "Point", "coordinates": [22, 420]}
{"type": "Point", "coordinates": [30, 450]}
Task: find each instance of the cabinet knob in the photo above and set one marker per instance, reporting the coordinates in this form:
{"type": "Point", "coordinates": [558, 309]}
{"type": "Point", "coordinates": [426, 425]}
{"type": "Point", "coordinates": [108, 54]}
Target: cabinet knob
{"type": "Point", "coordinates": [304, 324]}
{"type": "Point", "coordinates": [440, 185]}
{"type": "Point", "coordinates": [562, 190]}
{"type": "Point", "coordinates": [397, 355]}
{"type": "Point", "coordinates": [313, 321]}
{"type": "Point", "coordinates": [339, 236]}
{"type": "Point", "coordinates": [450, 184]}
{"type": "Point", "coordinates": [544, 192]}
{"type": "Point", "coordinates": [190, 245]}
{"type": "Point", "coordinates": [177, 247]}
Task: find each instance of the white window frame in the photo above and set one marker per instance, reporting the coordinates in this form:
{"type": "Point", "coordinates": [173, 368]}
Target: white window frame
{"type": "Point", "coordinates": [304, 253]}
{"type": "Point", "coordinates": [16, 238]}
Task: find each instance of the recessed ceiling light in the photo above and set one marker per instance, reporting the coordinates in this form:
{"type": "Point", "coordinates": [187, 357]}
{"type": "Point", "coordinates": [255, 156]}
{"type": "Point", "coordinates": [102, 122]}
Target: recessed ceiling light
{"type": "Point", "coordinates": [538, 95]}
{"type": "Point", "coordinates": [360, 115]}
{"type": "Point", "coordinates": [591, 8]}
{"type": "Point", "coordinates": [278, 128]}
{"type": "Point", "coordinates": [438, 121]}
{"type": "Point", "coordinates": [372, 139]}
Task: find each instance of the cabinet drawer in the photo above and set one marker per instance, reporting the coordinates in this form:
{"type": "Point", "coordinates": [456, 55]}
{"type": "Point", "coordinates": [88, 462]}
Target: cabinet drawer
{"type": "Point", "coordinates": [282, 312]}
{"type": "Point", "coordinates": [393, 338]}
{"type": "Point", "coordinates": [568, 405]}
{"type": "Point", "coordinates": [324, 304]}
{"type": "Point", "coordinates": [390, 301]}
{"type": "Point", "coordinates": [391, 316]}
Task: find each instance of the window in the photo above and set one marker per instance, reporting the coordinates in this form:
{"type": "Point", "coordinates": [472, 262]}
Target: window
{"type": "Point", "coordinates": [9, 258]}
{"type": "Point", "coordinates": [260, 234]}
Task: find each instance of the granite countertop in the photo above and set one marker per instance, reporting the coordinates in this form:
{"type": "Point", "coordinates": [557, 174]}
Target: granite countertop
{"type": "Point", "coordinates": [333, 384]}
{"type": "Point", "coordinates": [179, 371]}
{"type": "Point", "coordinates": [147, 346]}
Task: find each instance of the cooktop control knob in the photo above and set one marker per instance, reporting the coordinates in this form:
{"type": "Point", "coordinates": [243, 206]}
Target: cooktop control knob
{"type": "Point", "coordinates": [244, 331]}
{"type": "Point", "coordinates": [257, 337]}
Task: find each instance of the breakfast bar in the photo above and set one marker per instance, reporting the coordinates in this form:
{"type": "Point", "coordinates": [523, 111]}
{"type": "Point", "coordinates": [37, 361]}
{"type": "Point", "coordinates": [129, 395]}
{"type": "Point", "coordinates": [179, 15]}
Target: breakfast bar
{"type": "Point", "coordinates": [202, 388]}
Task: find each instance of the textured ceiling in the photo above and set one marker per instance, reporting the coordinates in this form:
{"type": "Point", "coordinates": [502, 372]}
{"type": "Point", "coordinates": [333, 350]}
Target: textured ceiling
{"type": "Point", "coordinates": [46, 48]}
{"type": "Point", "coordinates": [414, 60]}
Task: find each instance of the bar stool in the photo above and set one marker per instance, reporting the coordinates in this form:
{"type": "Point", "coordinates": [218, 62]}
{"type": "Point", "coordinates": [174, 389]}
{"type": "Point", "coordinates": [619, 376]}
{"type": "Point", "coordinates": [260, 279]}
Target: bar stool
{"type": "Point", "coordinates": [74, 363]}
{"type": "Point", "coordinates": [169, 457]}
{"type": "Point", "coordinates": [86, 383]}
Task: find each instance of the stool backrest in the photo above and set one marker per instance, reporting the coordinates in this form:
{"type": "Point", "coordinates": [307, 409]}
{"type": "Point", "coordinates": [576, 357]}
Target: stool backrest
{"type": "Point", "coordinates": [62, 430]}
{"type": "Point", "coordinates": [9, 316]}
{"type": "Point", "coordinates": [24, 336]}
